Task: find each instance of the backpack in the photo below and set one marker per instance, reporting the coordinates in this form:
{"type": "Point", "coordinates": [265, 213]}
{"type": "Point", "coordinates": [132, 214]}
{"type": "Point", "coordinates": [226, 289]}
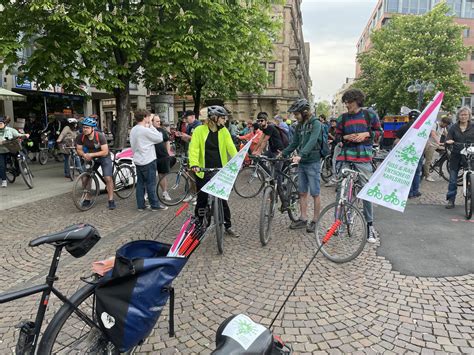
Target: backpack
{"type": "Point", "coordinates": [324, 149]}
{"type": "Point", "coordinates": [283, 136]}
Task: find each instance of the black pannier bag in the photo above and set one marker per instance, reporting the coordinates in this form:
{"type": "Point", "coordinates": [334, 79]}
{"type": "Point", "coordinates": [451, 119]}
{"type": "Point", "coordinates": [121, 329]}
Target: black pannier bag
{"type": "Point", "coordinates": [129, 300]}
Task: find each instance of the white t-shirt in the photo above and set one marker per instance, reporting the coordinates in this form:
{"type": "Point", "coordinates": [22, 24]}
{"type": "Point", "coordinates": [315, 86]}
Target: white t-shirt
{"type": "Point", "coordinates": [142, 142]}
{"type": "Point", "coordinates": [439, 131]}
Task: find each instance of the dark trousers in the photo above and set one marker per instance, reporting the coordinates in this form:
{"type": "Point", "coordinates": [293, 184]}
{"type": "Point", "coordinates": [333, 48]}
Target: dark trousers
{"type": "Point", "coordinates": [455, 164]}
{"type": "Point", "coordinates": [415, 185]}
{"type": "Point", "coordinates": [201, 202]}
{"type": "Point", "coordinates": [3, 166]}
{"type": "Point", "coordinates": [146, 180]}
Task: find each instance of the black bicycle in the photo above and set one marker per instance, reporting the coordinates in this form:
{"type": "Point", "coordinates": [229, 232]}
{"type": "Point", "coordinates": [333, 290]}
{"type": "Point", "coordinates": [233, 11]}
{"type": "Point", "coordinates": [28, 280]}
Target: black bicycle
{"type": "Point", "coordinates": [75, 163]}
{"type": "Point", "coordinates": [440, 165]}
{"type": "Point", "coordinates": [17, 163]}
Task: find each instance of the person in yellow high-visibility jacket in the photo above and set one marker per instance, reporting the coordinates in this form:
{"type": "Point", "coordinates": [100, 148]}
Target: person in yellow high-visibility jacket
{"type": "Point", "coordinates": [210, 147]}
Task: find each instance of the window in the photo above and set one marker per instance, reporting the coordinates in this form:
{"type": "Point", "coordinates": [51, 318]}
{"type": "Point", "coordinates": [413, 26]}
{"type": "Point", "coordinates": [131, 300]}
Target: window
{"type": "Point", "coordinates": [472, 55]}
{"type": "Point", "coordinates": [466, 33]}
{"type": "Point", "coordinates": [392, 5]}
{"type": "Point", "coordinates": [471, 78]}
{"type": "Point", "coordinates": [469, 9]}
{"type": "Point", "coordinates": [271, 70]}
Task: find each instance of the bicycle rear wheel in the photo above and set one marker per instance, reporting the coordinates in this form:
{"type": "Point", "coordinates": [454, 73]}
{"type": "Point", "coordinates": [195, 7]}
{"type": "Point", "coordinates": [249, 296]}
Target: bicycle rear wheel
{"type": "Point", "coordinates": [294, 211]}
{"type": "Point", "coordinates": [43, 156]}
{"type": "Point", "coordinates": [326, 168]}
{"type": "Point", "coordinates": [124, 181]}
{"type": "Point", "coordinates": [348, 239]}
{"type": "Point", "coordinates": [10, 170]}
{"type": "Point", "coordinates": [177, 186]}
{"type": "Point", "coordinates": [86, 188]}
{"type": "Point", "coordinates": [72, 333]}
{"type": "Point", "coordinates": [267, 211]}
{"type": "Point", "coordinates": [468, 199]}
{"type": "Point", "coordinates": [25, 173]}
{"type": "Point", "coordinates": [72, 167]}
{"type": "Point", "coordinates": [249, 182]}
{"type": "Point", "coordinates": [218, 211]}
{"type": "Point", "coordinates": [444, 172]}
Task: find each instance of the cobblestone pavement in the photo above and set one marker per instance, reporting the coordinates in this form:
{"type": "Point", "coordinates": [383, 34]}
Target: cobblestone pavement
{"type": "Point", "coordinates": [361, 306]}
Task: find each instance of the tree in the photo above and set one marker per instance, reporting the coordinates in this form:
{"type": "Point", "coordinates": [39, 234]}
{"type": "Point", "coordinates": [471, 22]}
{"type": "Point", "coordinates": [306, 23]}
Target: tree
{"type": "Point", "coordinates": [105, 43]}
{"type": "Point", "coordinates": [409, 48]}
{"type": "Point", "coordinates": [215, 49]}
{"type": "Point", "coordinates": [323, 108]}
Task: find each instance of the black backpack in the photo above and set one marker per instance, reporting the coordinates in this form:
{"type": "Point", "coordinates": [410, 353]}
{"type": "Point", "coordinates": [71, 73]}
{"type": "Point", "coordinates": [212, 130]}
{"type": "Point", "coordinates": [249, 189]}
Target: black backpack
{"type": "Point", "coordinates": [283, 136]}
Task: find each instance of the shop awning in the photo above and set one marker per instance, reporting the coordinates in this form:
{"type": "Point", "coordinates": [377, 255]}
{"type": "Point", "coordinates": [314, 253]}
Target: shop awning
{"type": "Point", "coordinates": [10, 95]}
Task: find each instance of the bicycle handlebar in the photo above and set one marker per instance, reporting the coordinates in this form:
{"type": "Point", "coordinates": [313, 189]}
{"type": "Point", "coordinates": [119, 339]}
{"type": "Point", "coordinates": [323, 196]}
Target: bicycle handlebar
{"type": "Point", "coordinates": [263, 157]}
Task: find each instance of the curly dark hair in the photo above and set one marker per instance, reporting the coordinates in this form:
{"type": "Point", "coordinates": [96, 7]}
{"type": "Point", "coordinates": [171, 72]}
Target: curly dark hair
{"type": "Point", "coordinates": [354, 95]}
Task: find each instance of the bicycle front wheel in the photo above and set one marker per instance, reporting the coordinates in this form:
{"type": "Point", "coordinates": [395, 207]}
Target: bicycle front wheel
{"type": "Point", "coordinates": [85, 191]}
{"type": "Point", "coordinates": [294, 211]}
{"type": "Point", "coordinates": [43, 156]}
{"type": "Point", "coordinates": [71, 332]}
{"type": "Point", "coordinates": [267, 212]}
{"type": "Point", "coordinates": [468, 199]}
{"type": "Point", "coordinates": [326, 168]}
{"type": "Point", "coordinates": [124, 181]}
{"type": "Point", "coordinates": [219, 222]}
{"type": "Point", "coordinates": [348, 240]}
{"type": "Point", "coordinates": [249, 182]}
{"type": "Point", "coordinates": [25, 173]}
{"type": "Point", "coordinates": [177, 188]}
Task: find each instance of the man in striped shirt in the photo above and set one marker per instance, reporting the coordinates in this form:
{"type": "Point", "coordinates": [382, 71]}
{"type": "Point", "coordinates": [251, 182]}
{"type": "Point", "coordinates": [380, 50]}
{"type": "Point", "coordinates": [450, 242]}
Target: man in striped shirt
{"type": "Point", "coordinates": [356, 131]}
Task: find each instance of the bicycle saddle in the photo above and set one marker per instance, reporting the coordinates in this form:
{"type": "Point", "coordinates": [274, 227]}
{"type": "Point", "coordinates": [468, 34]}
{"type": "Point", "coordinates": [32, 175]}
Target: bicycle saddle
{"type": "Point", "coordinates": [74, 233]}
{"type": "Point", "coordinates": [239, 335]}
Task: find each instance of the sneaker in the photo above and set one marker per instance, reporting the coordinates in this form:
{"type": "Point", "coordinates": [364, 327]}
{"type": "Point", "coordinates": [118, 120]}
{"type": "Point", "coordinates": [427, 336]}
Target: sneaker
{"type": "Point", "coordinates": [450, 204]}
{"type": "Point", "coordinates": [299, 224]}
{"type": "Point", "coordinates": [231, 233]}
{"type": "Point", "coordinates": [430, 179]}
{"type": "Point", "coordinates": [86, 203]}
{"type": "Point", "coordinates": [188, 198]}
{"type": "Point", "coordinates": [372, 234]}
{"type": "Point", "coordinates": [166, 196]}
{"type": "Point", "coordinates": [112, 205]}
{"type": "Point", "coordinates": [330, 183]}
{"type": "Point", "coordinates": [160, 208]}
{"type": "Point", "coordinates": [141, 209]}
{"type": "Point", "coordinates": [417, 194]}
{"type": "Point", "coordinates": [311, 227]}
{"type": "Point", "coordinates": [194, 201]}
{"type": "Point", "coordinates": [4, 183]}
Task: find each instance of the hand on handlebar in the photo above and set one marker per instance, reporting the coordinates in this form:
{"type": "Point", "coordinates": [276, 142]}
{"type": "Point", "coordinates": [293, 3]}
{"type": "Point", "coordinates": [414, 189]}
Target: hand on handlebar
{"type": "Point", "coordinates": [195, 169]}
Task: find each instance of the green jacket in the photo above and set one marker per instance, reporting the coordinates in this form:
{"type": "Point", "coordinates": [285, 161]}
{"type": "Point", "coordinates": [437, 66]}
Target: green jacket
{"type": "Point", "coordinates": [197, 147]}
{"type": "Point", "coordinates": [8, 133]}
{"type": "Point", "coordinates": [306, 141]}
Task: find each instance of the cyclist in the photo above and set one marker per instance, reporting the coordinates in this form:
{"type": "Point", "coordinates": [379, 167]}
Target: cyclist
{"type": "Point", "coordinates": [67, 138]}
{"type": "Point", "coordinates": [434, 143]}
{"type": "Point", "coordinates": [356, 131]}
{"type": "Point", "coordinates": [210, 146]}
{"type": "Point", "coordinates": [460, 132]}
{"type": "Point", "coordinates": [6, 133]}
{"type": "Point", "coordinates": [307, 142]}
{"type": "Point", "coordinates": [97, 150]}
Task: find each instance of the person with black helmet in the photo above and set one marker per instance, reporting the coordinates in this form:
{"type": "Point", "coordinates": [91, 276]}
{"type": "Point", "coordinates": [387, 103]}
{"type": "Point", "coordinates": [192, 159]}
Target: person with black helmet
{"type": "Point", "coordinates": [415, 185]}
{"type": "Point", "coordinates": [356, 130]}
{"type": "Point", "coordinates": [307, 142]}
{"type": "Point", "coordinates": [210, 146]}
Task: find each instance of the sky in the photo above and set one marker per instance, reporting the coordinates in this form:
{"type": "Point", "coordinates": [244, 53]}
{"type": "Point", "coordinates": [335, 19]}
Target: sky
{"type": "Point", "coordinates": [333, 28]}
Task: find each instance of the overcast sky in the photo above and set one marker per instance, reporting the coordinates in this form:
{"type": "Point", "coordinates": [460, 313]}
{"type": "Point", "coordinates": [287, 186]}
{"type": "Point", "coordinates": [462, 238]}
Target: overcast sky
{"type": "Point", "coordinates": [333, 28]}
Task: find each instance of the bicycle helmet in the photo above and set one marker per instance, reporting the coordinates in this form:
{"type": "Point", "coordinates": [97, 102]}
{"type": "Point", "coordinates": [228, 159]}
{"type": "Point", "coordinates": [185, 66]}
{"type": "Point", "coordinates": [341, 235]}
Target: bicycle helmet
{"type": "Point", "coordinates": [71, 120]}
{"type": "Point", "coordinates": [215, 110]}
{"type": "Point", "coordinates": [413, 114]}
{"type": "Point", "coordinates": [299, 106]}
{"type": "Point", "coordinates": [89, 121]}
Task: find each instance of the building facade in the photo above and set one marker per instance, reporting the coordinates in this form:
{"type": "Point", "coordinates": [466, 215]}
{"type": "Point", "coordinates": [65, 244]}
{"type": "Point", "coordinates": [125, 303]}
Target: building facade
{"type": "Point", "coordinates": [464, 15]}
{"type": "Point", "coordinates": [337, 106]}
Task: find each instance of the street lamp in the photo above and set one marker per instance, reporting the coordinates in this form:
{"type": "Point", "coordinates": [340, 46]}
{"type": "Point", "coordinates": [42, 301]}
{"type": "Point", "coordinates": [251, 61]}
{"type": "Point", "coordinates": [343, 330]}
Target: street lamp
{"type": "Point", "coordinates": [421, 87]}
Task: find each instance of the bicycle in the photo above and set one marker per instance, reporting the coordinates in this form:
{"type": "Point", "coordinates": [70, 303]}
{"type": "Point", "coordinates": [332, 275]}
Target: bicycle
{"type": "Point", "coordinates": [344, 220]}
{"type": "Point", "coordinates": [47, 149]}
{"type": "Point", "coordinates": [468, 178]}
{"type": "Point", "coordinates": [17, 163]}
{"type": "Point", "coordinates": [75, 163]}
{"type": "Point", "coordinates": [86, 186]}
{"type": "Point", "coordinates": [75, 328]}
{"type": "Point", "coordinates": [440, 165]}
{"type": "Point", "coordinates": [289, 189]}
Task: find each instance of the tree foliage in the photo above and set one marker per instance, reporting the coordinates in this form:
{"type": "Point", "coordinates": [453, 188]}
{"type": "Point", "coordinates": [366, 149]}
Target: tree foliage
{"type": "Point", "coordinates": [323, 108]}
{"type": "Point", "coordinates": [110, 43]}
{"type": "Point", "coordinates": [409, 48]}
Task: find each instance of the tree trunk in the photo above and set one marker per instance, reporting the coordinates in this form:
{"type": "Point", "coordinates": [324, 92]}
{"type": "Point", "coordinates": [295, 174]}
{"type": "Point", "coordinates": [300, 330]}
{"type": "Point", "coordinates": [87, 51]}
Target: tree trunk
{"type": "Point", "coordinates": [197, 101]}
{"type": "Point", "coordinates": [122, 107]}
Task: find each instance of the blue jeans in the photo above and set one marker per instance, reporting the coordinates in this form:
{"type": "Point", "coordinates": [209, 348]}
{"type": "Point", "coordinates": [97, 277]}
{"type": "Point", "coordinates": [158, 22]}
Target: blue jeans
{"type": "Point", "coordinates": [366, 171]}
{"type": "Point", "coordinates": [415, 184]}
{"type": "Point", "coordinates": [77, 163]}
{"type": "Point", "coordinates": [455, 165]}
{"type": "Point", "coordinates": [146, 179]}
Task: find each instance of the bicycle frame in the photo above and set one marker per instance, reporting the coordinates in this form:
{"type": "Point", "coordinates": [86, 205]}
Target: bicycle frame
{"type": "Point", "coordinates": [469, 154]}
{"type": "Point", "coordinates": [31, 341]}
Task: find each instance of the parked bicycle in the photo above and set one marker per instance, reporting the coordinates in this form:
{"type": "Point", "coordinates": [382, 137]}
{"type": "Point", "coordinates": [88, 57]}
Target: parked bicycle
{"type": "Point", "coordinates": [86, 186]}
{"type": "Point", "coordinates": [276, 182]}
{"type": "Point", "coordinates": [17, 163]}
{"type": "Point", "coordinates": [76, 329]}
{"type": "Point", "coordinates": [75, 163]}
{"type": "Point", "coordinates": [345, 221]}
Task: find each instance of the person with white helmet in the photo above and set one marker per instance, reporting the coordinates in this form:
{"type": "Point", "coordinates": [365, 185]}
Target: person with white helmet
{"type": "Point", "coordinates": [66, 140]}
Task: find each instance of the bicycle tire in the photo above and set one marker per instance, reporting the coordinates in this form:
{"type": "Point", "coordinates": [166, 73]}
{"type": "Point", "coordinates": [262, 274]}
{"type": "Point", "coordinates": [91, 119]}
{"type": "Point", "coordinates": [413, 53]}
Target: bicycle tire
{"type": "Point", "coordinates": [43, 156]}
{"type": "Point", "coordinates": [177, 187]}
{"type": "Point", "coordinates": [72, 167]}
{"type": "Point", "coordinates": [249, 182]}
{"type": "Point", "coordinates": [10, 171]}
{"type": "Point", "coordinates": [26, 173]}
{"type": "Point", "coordinates": [469, 198]}
{"type": "Point", "coordinates": [218, 214]}
{"type": "Point", "coordinates": [80, 190]}
{"type": "Point", "coordinates": [66, 327]}
{"type": "Point", "coordinates": [294, 200]}
{"type": "Point", "coordinates": [124, 181]}
{"type": "Point", "coordinates": [326, 168]}
{"type": "Point", "coordinates": [267, 211]}
{"type": "Point", "coordinates": [344, 245]}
